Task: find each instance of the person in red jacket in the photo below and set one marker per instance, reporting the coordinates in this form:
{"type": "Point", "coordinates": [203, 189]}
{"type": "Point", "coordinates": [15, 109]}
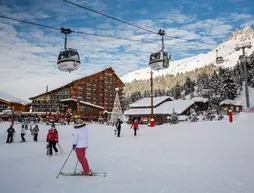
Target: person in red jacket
{"type": "Point", "coordinates": [52, 139]}
{"type": "Point", "coordinates": [135, 126]}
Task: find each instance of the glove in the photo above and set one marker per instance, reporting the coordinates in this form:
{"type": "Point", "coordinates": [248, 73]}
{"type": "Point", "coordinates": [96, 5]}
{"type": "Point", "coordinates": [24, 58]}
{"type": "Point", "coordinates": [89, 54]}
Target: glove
{"type": "Point", "coordinates": [74, 146]}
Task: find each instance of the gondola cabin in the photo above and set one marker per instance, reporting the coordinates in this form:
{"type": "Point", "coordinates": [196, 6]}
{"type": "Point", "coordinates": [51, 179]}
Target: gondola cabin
{"type": "Point", "coordinates": [219, 60]}
{"type": "Point", "coordinates": [159, 60]}
{"type": "Point", "coordinates": [68, 60]}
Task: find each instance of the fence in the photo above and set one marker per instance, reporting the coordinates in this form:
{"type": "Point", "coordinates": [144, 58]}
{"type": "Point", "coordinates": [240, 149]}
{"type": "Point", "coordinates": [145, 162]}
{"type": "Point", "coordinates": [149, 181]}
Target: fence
{"type": "Point", "coordinates": [248, 110]}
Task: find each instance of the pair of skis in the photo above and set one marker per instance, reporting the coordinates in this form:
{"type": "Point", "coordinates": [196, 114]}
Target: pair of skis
{"type": "Point", "coordinates": [78, 174]}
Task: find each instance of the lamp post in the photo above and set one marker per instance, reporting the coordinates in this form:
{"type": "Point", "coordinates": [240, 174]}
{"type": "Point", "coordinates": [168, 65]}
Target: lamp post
{"type": "Point", "coordinates": [47, 100]}
{"type": "Point", "coordinates": [12, 120]}
{"type": "Point", "coordinates": [78, 104]}
{"type": "Point", "coordinates": [151, 94]}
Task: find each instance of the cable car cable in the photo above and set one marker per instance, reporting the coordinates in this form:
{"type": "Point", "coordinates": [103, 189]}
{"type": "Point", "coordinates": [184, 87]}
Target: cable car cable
{"type": "Point", "coordinates": [28, 22]}
{"type": "Point", "coordinates": [120, 20]}
{"type": "Point", "coordinates": [77, 32]}
{"type": "Point", "coordinates": [111, 17]}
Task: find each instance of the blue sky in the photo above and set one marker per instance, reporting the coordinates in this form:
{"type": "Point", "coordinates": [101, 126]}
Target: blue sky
{"type": "Point", "coordinates": [29, 52]}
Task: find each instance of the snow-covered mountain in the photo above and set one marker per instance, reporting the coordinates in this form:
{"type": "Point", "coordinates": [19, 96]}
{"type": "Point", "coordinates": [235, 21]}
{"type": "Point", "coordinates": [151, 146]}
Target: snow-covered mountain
{"type": "Point", "coordinates": [225, 49]}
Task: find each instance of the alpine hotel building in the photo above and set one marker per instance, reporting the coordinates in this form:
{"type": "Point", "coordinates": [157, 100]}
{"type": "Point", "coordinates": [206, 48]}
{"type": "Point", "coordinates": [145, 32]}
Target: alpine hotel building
{"type": "Point", "coordinates": [89, 96]}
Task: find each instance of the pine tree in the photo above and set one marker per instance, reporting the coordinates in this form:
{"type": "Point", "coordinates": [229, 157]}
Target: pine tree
{"type": "Point", "coordinates": [215, 85]}
{"type": "Point", "coordinates": [188, 86]}
{"type": "Point", "coordinates": [203, 85]}
{"type": "Point", "coordinates": [251, 76]}
{"type": "Point", "coordinates": [177, 91]}
{"type": "Point", "coordinates": [229, 87]}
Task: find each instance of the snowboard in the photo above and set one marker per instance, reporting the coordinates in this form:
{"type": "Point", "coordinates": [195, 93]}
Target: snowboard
{"type": "Point", "coordinates": [78, 174]}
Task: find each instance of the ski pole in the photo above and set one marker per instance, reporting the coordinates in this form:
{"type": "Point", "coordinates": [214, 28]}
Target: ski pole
{"type": "Point", "coordinates": [61, 149]}
{"type": "Point", "coordinates": [76, 167]}
{"type": "Point", "coordinates": [64, 163]}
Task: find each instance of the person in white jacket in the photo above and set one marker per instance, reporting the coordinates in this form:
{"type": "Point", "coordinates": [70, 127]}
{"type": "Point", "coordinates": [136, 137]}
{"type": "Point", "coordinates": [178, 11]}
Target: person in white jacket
{"type": "Point", "coordinates": [80, 137]}
{"type": "Point", "coordinates": [23, 133]}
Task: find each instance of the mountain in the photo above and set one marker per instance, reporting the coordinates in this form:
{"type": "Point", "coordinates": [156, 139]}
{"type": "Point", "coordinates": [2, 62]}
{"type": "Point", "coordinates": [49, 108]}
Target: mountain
{"type": "Point", "coordinates": [225, 49]}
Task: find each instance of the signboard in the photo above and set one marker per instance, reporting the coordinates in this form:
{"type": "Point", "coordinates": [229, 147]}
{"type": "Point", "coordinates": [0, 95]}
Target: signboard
{"type": "Point", "coordinates": [145, 119]}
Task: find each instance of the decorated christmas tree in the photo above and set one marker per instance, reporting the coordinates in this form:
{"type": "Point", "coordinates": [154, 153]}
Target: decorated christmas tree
{"type": "Point", "coordinates": [117, 109]}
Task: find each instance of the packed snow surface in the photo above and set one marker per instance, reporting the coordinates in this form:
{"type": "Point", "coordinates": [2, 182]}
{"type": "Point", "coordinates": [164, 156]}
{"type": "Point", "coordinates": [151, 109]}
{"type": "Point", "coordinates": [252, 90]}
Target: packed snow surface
{"type": "Point", "coordinates": [203, 157]}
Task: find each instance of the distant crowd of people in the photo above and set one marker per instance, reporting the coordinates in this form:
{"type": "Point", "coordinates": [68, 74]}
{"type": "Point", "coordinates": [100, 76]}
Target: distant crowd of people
{"type": "Point", "coordinates": [24, 127]}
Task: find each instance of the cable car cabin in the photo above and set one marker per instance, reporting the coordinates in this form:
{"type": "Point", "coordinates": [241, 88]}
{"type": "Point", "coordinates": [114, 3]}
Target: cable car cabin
{"type": "Point", "coordinates": [159, 60]}
{"type": "Point", "coordinates": [219, 60]}
{"type": "Point", "coordinates": [68, 60]}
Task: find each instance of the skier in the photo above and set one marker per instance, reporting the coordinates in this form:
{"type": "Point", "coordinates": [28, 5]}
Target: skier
{"type": "Point", "coordinates": [36, 132]}
{"type": "Point", "coordinates": [52, 139]}
{"type": "Point", "coordinates": [10, 131]}
{"type": "Point", "coordinates": [135, 126]}
{"type": "Point", "coordinates": [118, 127]}
{"type": "Point", "coordinates": [23, 133]}
{"type": "Point", "coordinates": [26, 124]}
{"type": "Point", "coordinates": [80, 136]}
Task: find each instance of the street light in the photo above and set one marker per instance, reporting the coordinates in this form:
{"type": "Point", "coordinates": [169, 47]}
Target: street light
{"type": "Point", "coordinates": [78, 105]}
{"type": "Point", "coordinates": [47, 98]}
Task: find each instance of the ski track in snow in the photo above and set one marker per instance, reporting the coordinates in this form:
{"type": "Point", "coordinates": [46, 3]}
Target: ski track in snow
{"type": "Point", "coordinates": [204, 157]}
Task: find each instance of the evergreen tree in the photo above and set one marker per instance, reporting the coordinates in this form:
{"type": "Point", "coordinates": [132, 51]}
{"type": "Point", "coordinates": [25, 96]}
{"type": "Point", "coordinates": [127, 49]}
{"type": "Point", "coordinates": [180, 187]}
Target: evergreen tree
{"type": "Point", "coordinates": [177, 91]}
{"type": "Point", "coordinates": [251, 76]}
{"type": "Point", "coordinates": [174, 117]}
{"type": "Point", "coordinates": [203, 85]}
{"type": "Point", "coordinates": [229, 87]}
{"type": "Point", "coordinates": [188, 86]}
{"type": "Point", "coordinates": [215, 86]}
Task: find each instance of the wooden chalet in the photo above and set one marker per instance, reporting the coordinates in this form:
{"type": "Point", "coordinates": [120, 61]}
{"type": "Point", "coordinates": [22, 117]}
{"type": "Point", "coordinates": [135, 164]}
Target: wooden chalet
{"type": "Point", "coordinates": [234, 105]}
{"type": "Point", "coordinates": [9, 102]}
{"type": "Point", "coordinates": [89, 96]}
{"type": "Point", "coordinates": [163, 108]}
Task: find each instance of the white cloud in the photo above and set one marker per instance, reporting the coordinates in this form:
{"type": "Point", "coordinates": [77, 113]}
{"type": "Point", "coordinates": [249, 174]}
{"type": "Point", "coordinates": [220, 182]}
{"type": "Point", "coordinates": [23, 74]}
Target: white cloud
{"type": "Point", "coordinates": [241, 16]}
{"type": "Point", "coordinates": [178, 17]}
{"type": "Point", "coordinates": [221, 30]}
{"type": "Point", "coordinates": [249, 23]}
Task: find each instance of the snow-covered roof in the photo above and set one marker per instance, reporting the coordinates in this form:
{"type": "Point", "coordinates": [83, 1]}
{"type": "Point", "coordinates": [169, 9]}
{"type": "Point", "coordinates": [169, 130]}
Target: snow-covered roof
{"type": "Point", "coordinates": [146, 102]}
{"type": "Point", "coordinates": [179, 107]}
{"type": "Point", "coordinates": [200, 99]}
{"type": "Point", "coordinates": [82, 102]}
{"type": "Point", "coordinates": [12, 99]}
{"type": "Point", "coordinates": [231, 102]}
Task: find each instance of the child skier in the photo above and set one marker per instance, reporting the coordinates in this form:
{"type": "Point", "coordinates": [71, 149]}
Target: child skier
{"type": "Point", "coordinates": [23, 133]}
{"type": "Point", "coordinates": [11, 132]}
{"type": "Point", "coordinates": [36, 132]}
{"type": "Point", "coordinates": [135, 126]}
{"type": "Point", "coordinates": [52, 139]}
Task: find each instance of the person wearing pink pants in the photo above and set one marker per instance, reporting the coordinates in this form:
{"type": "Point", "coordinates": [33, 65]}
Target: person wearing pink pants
{"type": "Point", "coordinates": [80, 138]}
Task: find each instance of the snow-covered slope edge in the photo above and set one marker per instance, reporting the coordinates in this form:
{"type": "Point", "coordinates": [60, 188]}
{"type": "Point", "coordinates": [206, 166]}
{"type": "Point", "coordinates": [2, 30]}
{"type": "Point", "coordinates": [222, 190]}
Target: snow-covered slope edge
{"type": "Point", "coordinates": [226, 50]}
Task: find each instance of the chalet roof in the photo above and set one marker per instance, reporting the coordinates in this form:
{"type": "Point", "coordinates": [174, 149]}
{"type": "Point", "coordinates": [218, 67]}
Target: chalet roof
{"type": "Point", "coordinates": [231, 102]}
{"type": "Point", "coordinates": [82, 102]}
{"type": "Point", "coordinates": [200, 99]}
{"type": "Point", "coordinates": [63, 85]}
{"type": "Point", "coordinates": [146, 102]}
{"type": "Point", "coordinates": [166, 108]}
{"type": "Point", "coordinates": [12, 99]}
